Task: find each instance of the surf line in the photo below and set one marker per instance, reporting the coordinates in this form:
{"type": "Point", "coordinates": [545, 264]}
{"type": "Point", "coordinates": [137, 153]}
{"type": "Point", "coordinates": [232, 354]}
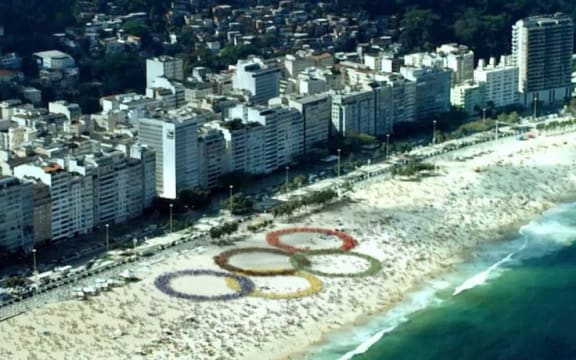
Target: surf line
{"type": "Point", "coordinates": [481, 278]}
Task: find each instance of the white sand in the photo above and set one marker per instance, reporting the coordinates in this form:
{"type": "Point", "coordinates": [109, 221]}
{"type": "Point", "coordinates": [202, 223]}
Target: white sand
{"type": "Point", "coordinates": [260, 261]}
{"type": "Point", "coordinates": [416, 229]}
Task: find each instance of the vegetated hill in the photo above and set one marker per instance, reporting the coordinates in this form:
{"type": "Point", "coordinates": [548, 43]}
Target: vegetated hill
{"type": "Point", "coordinates": [485, 25]}
{"type": "Point", "coordinates": [482, 24]}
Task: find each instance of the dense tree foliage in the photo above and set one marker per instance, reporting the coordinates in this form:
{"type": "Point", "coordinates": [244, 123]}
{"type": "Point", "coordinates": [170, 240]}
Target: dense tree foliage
{"type": "Point", "coordinates": [482, 24]}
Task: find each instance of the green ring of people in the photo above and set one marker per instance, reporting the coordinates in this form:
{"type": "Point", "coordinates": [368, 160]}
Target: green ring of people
{"type": "Point", "coordinates": [301, 262]}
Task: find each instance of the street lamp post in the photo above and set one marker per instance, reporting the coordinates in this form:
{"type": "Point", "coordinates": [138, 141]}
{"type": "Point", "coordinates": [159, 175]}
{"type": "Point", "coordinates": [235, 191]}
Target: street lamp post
{"type": "Point", "coordinates": [434, 132]}
{"type": "Point", "coordinates": [34, 261]}
{"type": "Point", "coordinates": [338, 171]}
{"type": "Point", "coordinates": [231, 187]}
{"type": "Point", "coordinates": [483, 118]}
{"type": "Point", "coordinates": [387, 144]}
{"type": "Point", "coordinates": [535, 104]}
{"type": "Point", "coordinates": [496, 135]}
{"type": "Point", "coordinates": [171, 207]}
{"type": "Point", "coordinates": [107, 236]}
{"type": "Point", "coordinates": [287, 174]}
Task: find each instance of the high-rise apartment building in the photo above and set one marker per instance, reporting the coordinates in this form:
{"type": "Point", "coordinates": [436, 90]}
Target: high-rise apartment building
{"type": "Point", "coordinates": [16, 215]}
{"type": "Point", "coordinates": [245, 146]}
{"type": "Point", "coordinates": [261, 81]}
{"type": "Point", "coordinates": [432, 90]}
{"type": "Point", "coordinates": [499, 80]}
{"type": "Point", "coordinates": [164, 66]}
{"type": "Point", "coordinates": [542, 48]}
{"type": "Point", "coordinates": [353, 112]}
{"type": "Point", "coordinates": [71, 197]}
{"type": "Point", "coordinates": [283, 132]}
{"type": "Point", "coordinates": [316, 112]}
{"type": "Point", "coordinates": [459, 59]}
{"type": "Point", "coordinates": [212, 156]}
{"type": "Point", "coordinates": [174, 139]}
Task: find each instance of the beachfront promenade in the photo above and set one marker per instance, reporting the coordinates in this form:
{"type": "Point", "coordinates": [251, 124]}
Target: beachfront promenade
{"type": "Point", "coordinates": [62, 289]}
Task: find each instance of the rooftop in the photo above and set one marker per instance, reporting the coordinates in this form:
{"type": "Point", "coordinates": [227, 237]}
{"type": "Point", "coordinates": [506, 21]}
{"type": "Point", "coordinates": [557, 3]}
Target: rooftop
{"type": "Point", "coordinates": [51, 168]}
{"type": "Point", "coordinates": [52, 54]}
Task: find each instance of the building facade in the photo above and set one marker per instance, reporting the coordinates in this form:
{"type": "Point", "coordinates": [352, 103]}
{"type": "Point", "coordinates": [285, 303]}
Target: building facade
{"type": "Point", "coordinates": [260, 81]}
{"type": "Point", "coordinates": [542, 48]}
{"type": "Point", "coordinates": [468, 96]}
{"type": "Point", "coordinates": [353, 112]}
{"type": "Point", "coordinates": [432, 90]}
{"type": "Point", "coordinates": [500, 82]}
{"type": "Point", "coordinates": [316, 113]}
{"type": "Point", "coordinates": [17, 215]}
{"type": "Point", "coordinates": [174, 140]}
{"type": "Point", "coordinates": [164, 66]}
{"type": "Point", "coordinates": [212, 156]}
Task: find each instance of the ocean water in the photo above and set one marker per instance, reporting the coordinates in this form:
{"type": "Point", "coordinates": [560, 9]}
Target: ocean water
{"type": "Point", "coordinates": [515, 299]}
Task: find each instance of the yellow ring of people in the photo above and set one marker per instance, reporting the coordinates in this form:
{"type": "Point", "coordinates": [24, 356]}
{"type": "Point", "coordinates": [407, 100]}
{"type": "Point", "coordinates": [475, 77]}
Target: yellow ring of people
{"type": "Point", "coordinates": [314, 282]}
{"type": "Point", "coordinates": [222, 260]}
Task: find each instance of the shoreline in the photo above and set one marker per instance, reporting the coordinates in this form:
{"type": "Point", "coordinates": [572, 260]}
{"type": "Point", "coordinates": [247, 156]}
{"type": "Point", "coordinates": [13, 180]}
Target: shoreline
{"type": "Point", "coordinates": [507, 234]}
{"type": "Point", "coordinates": [418, 230]}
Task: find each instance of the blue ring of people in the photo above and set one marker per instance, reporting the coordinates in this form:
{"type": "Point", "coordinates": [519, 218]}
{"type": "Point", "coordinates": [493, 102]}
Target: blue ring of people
{"type": "Point", "coordinates": [163, 283]}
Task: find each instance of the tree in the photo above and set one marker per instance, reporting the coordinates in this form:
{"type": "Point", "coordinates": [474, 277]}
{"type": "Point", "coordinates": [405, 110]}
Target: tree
{"type": "Point", "coordinates": [197, 197]}
{"type": "Point", "coordinates": [419, 29]}
{"type": "Point", "coordinates": [238, 204]}
{"type": "Point", "coordinates": [235, 178]}
{"type": "Point", "coordinates": [140, 29]}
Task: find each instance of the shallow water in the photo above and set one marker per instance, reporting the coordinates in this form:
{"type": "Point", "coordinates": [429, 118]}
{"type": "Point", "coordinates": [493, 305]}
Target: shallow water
{"type": "Point", "coordinates": [515, 300]}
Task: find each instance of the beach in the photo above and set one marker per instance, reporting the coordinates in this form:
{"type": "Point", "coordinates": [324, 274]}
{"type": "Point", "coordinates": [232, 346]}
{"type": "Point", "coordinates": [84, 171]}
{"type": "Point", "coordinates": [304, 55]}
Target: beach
{"type": "Point", "coordinates": [415, 229]}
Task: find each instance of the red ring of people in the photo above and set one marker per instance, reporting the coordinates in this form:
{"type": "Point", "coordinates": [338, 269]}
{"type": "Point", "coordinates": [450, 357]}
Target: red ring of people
{"type": "Point", "coordinates": [273, 238]}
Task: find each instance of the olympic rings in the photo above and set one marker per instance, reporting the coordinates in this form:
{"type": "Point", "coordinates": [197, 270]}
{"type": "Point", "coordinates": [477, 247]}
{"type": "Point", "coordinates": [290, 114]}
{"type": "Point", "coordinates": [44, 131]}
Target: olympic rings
{"type": "Point", "coordinates": [315, 287]}
{"type": "Point", "coordinates": [298, 257]}
{"type": "Point", "coordinates": [273, 238]}
{"type": "Point", "coordinates": [223, 258]}
{"type": "Point", "coordinates": [300, 261]}
{"type": "Point", "coordinates": [162, 282]}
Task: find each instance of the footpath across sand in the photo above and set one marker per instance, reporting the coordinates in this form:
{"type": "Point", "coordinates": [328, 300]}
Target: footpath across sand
{"type": "Point", "coordinates": [415, 228]}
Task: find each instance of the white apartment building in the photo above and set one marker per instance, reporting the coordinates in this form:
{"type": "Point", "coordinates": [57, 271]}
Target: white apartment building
{"type": "Point", "coordinates": [245, 147]}
{"type": "Point", "coordinates": [212, 155]}
{"type": "Point", "coordinates": [542, 48]}
{"type": "Point", "coordinates": [283, 132]}
{"type": "Point", "coordinates": [164, 66]}
{"type": "Point", "coordinates": [260, 81]}
{"type": "Point", "coordinates": [148, 158]}
{"type": "Point", "coordinates": [356, 74]}
{"type": "Point", "coordinates": [316, 113]}
{"type": "Point", "coordinates": [16, 215]}
{"type": "Point", "coordinates": [118, 185]}
{"type": "Point", "coordinates": [310, 83]}
{"type": "Point", "coordinates": [71, 194]}
{"type": "Point", "coordinates": [459, 59]}
{"type": "Point", "coordinates": [172, 94]}
{"type": "Point", "coordinates": [394, 102]}
{"type": "Point", "coordinates": [54, 60]}
{"type": "Point", "coordinates": [500, 82]}
{"type": "Point", "coordinates": [297, 63]}
{"type": "Point", "coordinates": [432, 90]}
{"type": "Point", "coordinates": [374, 61]}
{"type": "Point", "coordinates": [18, 136]}
{"type": "Point", "coordinates": [469, 96]}
{"type": "Point", "coordinates": [375, 107]}
{"type": "Point", "coordinates": [174, 139]}
{"type": "Point", "coordinates": [353, 112]}
{"type": "Point", "coordinates": [70, 110]}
